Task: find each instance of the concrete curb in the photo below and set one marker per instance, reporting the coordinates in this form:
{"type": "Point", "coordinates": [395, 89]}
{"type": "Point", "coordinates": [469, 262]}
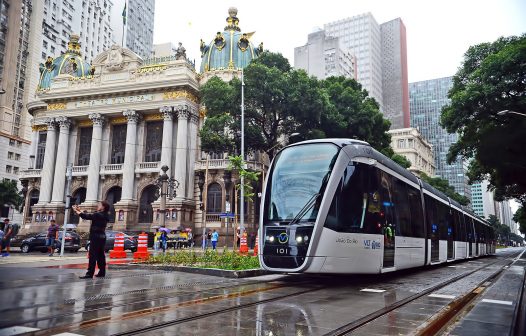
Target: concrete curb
{"type": "Point", "coordinates": [195, 270]}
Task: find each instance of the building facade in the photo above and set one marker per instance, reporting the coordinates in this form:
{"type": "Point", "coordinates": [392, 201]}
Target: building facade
{"type": "Point", "coordinates": [381, 58]}
{"type": "Point", "coordinates": [117, 122]}
{"type": "Point", "coordinates": [15, 21]}
{"type": "Point", "coordinates": [138, 30]}
{"type": "Point", "coordinates": [426, 101]}
{"type": "Point", "coordinates": [410, 143]}
{"type": "Point", "coordinates": [323, 56]}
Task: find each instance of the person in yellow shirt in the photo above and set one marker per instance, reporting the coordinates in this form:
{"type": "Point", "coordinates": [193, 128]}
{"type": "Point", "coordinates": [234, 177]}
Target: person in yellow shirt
{"type": "Point", "coordinates": [156, 240]}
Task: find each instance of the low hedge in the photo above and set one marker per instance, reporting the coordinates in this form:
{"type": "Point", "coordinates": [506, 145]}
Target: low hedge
{"type": "Point", "coordinates": [226, 260]}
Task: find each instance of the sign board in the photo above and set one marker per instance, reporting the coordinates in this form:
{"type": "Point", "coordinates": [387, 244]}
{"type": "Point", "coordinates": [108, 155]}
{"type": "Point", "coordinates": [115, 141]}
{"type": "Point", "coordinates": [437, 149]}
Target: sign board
{"type": "Point", "coordinates": [226, 215]}
{"type": "Point", "coordinates": [227, 207]}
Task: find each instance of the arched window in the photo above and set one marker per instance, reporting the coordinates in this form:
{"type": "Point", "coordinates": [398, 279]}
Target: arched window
{"type": "Point", "coordinates": [145, 205]}
{"type": "Point", "coordinates": [33, 199]}
{"type": "Point", "coordinates": [78, 197]}
{"type": "Point", "coordinates": [113, 196]}
{"type": "Point", "coordinates": [214, 196]}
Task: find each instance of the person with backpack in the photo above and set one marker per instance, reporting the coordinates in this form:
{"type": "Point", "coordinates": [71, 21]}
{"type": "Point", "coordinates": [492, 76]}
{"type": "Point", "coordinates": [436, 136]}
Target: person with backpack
{"type": "Point", "coordinates": [10, 230]}
{"type": "Point", "coordinates": [97, 236]}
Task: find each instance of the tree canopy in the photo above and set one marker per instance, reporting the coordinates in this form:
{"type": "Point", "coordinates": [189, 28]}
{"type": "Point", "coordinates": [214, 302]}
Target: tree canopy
{"type": "Point", "coordinates": [280, 101]}
{"type": "Point", "coordinates": [10, 195]}
{"type": "Point", "coordinates": [492, 78]}
{"type": "Point", "coordinates": [443, 185]}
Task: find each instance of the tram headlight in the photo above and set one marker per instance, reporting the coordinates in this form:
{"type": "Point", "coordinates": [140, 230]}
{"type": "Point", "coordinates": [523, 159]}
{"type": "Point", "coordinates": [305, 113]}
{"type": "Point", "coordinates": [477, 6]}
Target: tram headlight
{"type": "Point", "coordinates": [299, 239]}
{"type": "Point", "coordinates": [270, 238]}
{"type": "Point", "coordinates": [306, 238]}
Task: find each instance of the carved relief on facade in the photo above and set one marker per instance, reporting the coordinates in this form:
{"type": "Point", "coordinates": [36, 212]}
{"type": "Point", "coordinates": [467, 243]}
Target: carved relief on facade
{"type": "Point", "coordinates": [78, 182]}
{"type": "Point", "coordinates": [115, 61]}
{"type": "Point", "coordinates": [144, 181]}
{"type": "Point", "coordinates": [109, 182]}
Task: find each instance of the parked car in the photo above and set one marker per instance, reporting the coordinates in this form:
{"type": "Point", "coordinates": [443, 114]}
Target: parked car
{"type": "Point", "coordinates": [38, 242]}
{"type": "Point", "coordinates": [130, 243]}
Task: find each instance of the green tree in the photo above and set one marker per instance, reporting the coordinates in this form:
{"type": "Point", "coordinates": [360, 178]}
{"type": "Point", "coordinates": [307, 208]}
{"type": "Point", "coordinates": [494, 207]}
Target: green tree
{"type": "Point", "coordinates": [443, 185]}
{"type": "Point", "coordinates": [353, 114]}
{"type": "Point", "coordinates": [401, 160]}
{"type": "Point", "coordinates": [10, 195]}
{"type": "Point", "coordinates": [278, 101]}
{"type": "Point", "coordinates": [491, 79]}
{"type": "Point", "coordinates": [520, 217]}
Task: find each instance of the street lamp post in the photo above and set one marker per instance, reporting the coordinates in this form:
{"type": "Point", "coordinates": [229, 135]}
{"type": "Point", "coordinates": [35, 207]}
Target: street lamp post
{"type": "Point", "coordinates": [510, 112]}
{"type": "Point", "coordinates": [242, 196]}
{"type": "Point", "coordinates": [69, 174]}
{"type": "Point", "coordinates": [167, 186]}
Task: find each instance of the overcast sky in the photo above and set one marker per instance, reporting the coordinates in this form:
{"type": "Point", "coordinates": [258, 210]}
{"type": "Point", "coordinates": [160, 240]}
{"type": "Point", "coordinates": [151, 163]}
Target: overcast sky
{"type": "Point", "coordinates": [438, 32]}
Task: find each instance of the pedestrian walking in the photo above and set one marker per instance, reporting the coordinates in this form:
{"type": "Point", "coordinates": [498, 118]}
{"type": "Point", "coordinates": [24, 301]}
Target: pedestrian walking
{"type": "Point", "coordinates": [52, 236]}
{"type": "Point", "coordinates": [156, 241]}
{"type": "Point", "coordinates": [214, 239]}
{"type": "Point", "coordinates": [209, 239]}
{"type": "Point", "coordinates": [163, 240]}
{"type": "Point", "coordinates": [10, 230]}
{"type": "Point", "coordinates": [97, 235]}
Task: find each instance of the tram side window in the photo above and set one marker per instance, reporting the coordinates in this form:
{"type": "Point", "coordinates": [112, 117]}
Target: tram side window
{"type": "Point", "coordinates": [469, 229]}
{"type": "Point", "coordinates": [458, 227]}
{"type": "Point", "coordinates": [356, 206]}
{"type": "Point", "coordinates": [402, 208]}
{"type": "Point", "coordinates": [444, 220]}
{"type": "Point", "coordinates": [417, 215]}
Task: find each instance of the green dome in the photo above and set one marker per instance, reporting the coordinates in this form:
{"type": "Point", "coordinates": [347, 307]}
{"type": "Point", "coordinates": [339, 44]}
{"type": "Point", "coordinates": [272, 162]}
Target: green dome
{"type": "Point", "coordinates": [230, 49]}
{"type": "Point", "coordinates": [70, 63]}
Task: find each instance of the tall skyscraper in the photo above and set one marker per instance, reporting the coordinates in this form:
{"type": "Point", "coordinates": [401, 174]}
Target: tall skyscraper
{"type": "Point", "coordinates": [482, 199]}
{"type": "Point", "coordinates": [89, 19]}
{"type": "Point", "coordinates": [138, 31]}
{"type": "Point", "coordinates": [323, 56]}
{"type": "Point", "coordinates": [381, 57]}
{"type": "Point", "coordinates": [15, 20]}
{"type": "Point", "coordinates": [395, 89]}
{"type": "Point", "coordinates": [426, 101]}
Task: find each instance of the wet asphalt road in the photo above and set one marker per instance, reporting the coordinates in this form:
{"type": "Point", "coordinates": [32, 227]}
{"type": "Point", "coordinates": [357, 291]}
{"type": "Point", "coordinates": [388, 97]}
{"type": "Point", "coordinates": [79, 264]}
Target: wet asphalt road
{"type": "Point", "coordinates": [51, 299]}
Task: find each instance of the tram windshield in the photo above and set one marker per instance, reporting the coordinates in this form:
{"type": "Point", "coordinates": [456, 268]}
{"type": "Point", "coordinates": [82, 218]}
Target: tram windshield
{"type": "Point", "coordinates": [297, 181]}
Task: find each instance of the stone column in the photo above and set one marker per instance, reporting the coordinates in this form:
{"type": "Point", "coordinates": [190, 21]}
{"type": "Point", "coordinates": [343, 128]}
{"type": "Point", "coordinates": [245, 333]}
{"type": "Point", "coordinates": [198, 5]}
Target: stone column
{"type": "Point", "coordinates": [183, 114]}
{"type": "Point", "coordinates": [194, 120]}
{"type": "Point", "coordinates": [34, 146]}
{"type": "Point", "coordinates": [168, 129]}
{"type": "Point", "coordinates": [59, 180]}
{"type": "Point", "coordinates": [128, 168]}
{"type": "Point", "coordinates": [94, 160]}
{"type": "Point", "coordinates": [46, 175]}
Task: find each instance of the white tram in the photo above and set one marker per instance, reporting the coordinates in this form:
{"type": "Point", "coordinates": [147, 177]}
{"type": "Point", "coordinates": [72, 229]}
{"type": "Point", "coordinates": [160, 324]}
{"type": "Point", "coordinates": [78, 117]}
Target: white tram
{"type": "Point", "coordinates": [339, 206]}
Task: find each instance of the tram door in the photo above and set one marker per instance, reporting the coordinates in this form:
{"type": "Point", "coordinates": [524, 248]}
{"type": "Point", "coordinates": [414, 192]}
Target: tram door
{"type": "Point", "coordinates": [435, 243]}
{"type": "Point", "coordinates": [477, 237]}
{"type": "Point", "coordinates": [450, 242]}
{"type": "Point", "coordinates": [386, 185]}
{"type": "Point", "coordinates": [469, 224]}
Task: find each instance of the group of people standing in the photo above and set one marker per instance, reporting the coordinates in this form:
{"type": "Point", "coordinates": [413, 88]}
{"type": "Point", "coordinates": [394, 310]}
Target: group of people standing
{"type": "Point", "coordinates": [162, 237]}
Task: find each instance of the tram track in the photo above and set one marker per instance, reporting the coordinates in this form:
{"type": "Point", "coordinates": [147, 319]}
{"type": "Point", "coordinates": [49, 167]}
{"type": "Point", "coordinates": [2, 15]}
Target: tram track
{"type": "Point", "coordinates": [161, 308]}
{"type": "Point", "coordinates": [438, 323]}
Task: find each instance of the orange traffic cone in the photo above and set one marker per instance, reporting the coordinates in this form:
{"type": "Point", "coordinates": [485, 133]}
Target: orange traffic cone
{"type": "Point", "coordinates": [256, 248]}
{"type": "Point", "coordinates": [118, 247]}
{"type": "Point", "coordinates": [243, 247]}
{"type": "Point", "coordinates": [142, 247]}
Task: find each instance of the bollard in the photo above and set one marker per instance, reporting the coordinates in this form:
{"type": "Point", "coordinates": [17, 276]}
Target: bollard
{"type": "Point", "coordinates": [142, 247]}
{"type": "Point", "coordinates": [256, 247]}
{"type": "Point", "coordinates": [118, 247]}
{"type": "Point", "coordinates": [243, 247]}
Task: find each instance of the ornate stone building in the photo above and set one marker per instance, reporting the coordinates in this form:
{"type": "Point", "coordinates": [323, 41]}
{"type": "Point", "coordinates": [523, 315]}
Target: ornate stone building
{"type": "Point", "coordinates": [118, 121]}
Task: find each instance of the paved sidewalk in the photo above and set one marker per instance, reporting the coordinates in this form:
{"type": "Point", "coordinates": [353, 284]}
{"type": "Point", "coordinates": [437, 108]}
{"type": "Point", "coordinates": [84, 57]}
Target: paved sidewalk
{"type": "Point", "coordinates": [18, 258]}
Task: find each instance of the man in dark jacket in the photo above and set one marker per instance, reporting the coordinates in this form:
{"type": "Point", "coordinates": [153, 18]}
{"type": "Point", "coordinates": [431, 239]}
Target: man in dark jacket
{"type": "Point", "coordinates": [97, 236]}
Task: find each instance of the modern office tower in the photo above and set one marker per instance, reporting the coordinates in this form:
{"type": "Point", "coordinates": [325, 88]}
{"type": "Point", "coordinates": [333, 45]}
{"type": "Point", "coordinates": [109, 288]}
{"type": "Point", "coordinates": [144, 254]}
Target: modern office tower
{"type": "Point", "coordinates": [138, 31]}
{"type": "Point", "coordinates": [90, 19]}
{"type": "Point", "coordinates": [410, 143]}
{"type": "Point", "coordinates": [395, 89]}
{"type": "Point", "coordinates": [426, 101]}
{"type": "Point", "coordinates": [482, 199]}
{"type": "Point", "coordinates": [381, 58]}
{"type": "Point", "coordinates": [361, 35]}
{"type": "Point", "coordinates": [323, 56]}
{"type": "Point", "coordinates": [15, 20]}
